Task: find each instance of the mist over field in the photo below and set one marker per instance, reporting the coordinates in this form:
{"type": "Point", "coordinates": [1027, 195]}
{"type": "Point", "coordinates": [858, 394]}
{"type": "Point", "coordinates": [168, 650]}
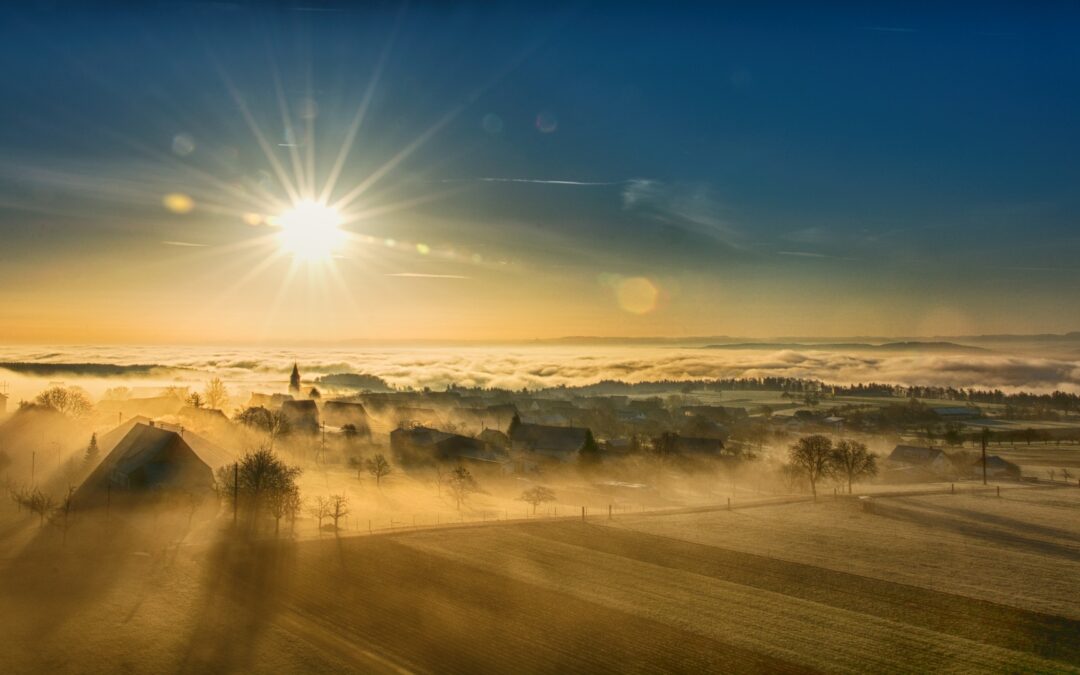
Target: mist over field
{"type": "Point", "coordinates": [1011, 366]}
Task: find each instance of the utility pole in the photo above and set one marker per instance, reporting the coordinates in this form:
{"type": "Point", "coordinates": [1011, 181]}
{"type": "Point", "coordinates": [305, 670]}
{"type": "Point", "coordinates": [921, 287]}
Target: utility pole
{"type": "Point", "coordinates": [985, 439]}
{"type": "Point", "coordinates": [235, 491]}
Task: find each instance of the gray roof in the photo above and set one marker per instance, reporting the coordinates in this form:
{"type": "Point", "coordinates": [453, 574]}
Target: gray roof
{"type": "Point", "coordinates": [548, 440]}
{"type": "Point", "coordinates": [914, 454]}
{"type": "Point", "coordinates": [699, 446]}
{"type": "Point", "coordinates": [148, 458]}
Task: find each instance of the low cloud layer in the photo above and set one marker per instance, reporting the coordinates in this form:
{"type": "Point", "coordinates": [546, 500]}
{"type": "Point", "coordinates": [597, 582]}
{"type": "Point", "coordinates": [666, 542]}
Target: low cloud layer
{"type": "Point", "coordinates": [536, 367]}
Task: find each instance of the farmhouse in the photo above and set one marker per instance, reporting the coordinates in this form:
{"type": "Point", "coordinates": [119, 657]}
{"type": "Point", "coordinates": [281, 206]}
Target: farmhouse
{"type": "Point", "coordinates": [303, 415]}
{"type": "Point", "coordinates": [214, 455]}
{"type": "Point", "coordinates": [996, 467]}
{"type": "Point", "coordinates": [925, 460]}
{"type": "Point", "coordinates": [418, 446]}
{"type": "Point", "coordinates": [148, 461]}
{"type": "Point", "coordinates": [339, 413]}
{"type": "Point", "coordinates": [699, 447]}
{"type": "Point", "coordinates": [560, 443]}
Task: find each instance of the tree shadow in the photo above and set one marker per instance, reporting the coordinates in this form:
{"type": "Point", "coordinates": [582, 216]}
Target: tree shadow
{"type": "Point", "coordinates": [997, 537]}
{"type": "Point", "coordinates": [244, 580]}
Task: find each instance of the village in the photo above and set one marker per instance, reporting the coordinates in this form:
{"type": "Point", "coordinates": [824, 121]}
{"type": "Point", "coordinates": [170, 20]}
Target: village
{"type": "Point", "coordinates": [655, 446]}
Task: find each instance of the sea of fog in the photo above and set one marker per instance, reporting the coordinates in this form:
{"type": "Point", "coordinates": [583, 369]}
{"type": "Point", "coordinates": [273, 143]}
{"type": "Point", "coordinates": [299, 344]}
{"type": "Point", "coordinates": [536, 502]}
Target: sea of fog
{"type": "Point", "coordinates": [534, 366]}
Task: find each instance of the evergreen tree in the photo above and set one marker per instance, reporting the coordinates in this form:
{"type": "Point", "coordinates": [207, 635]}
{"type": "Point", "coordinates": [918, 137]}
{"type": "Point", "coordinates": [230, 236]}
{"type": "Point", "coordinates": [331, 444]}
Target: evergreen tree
{"type": "Point", "coordinates": [92, 451]}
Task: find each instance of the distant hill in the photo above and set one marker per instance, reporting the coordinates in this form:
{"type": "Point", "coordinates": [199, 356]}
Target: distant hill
{"type": "Point", "coordinates": [355, 381]}
{"type": "Point", "coordinates": [950, 347]}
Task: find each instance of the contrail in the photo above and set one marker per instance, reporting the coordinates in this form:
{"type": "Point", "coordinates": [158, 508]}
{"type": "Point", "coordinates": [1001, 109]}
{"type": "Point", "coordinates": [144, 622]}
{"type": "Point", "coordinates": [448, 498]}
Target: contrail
{"type": "Point", "coordinates": [421, 275]}
{"type": "Point", "coordinates": [536, 181]}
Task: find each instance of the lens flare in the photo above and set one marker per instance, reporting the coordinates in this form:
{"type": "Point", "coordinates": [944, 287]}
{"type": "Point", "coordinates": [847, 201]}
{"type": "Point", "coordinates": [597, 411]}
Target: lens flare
{"type": "Point", "coordinates": [637, 295]}
{"type": "Point", "coordinates": [310, 231]}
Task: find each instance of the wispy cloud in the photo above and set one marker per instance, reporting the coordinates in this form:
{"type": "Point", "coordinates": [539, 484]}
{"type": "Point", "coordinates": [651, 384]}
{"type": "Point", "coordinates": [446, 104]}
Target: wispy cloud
{"type": "Point", "coordinates": [182, 243]}
{"type": "Point", "coordinates": [802, 254]}
{"type": "Point", "coordinates": [421, 275]}
{"type": "Point", "coordinates": [690, 207]}
{"type": "Point", "coordinates": [533, 181]}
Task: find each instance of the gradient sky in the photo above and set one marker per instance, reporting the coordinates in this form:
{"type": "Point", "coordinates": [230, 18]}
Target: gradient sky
{"type": "Point", "coordinates": [757, 169]}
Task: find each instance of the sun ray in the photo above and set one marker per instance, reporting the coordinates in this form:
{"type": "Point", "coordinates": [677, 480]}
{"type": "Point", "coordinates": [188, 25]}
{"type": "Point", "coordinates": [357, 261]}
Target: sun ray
{"type": "Point", "coordinates": [253, 126]}
{"type": "Point", "coordinates": [286, 121]}
{"type": "Point", "coordinates": [361, 113]}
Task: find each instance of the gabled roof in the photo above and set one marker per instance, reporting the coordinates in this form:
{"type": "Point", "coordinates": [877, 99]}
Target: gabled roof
{"type": "Point", "coordinates": [913, 454]}
{"type": "Point", "coordinates": [209, 452]}
{"type": "Point", "coordinates": [549, 440]}
{"type": "Point", "coordinates": [162, 457]}
{"type": "Point", "coordinates": [699, 446]}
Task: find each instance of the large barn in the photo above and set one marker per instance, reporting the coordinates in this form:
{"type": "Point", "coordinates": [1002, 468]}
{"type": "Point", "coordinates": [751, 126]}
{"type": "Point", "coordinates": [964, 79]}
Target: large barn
{"type": "Point", "coordinates": [148, 461]}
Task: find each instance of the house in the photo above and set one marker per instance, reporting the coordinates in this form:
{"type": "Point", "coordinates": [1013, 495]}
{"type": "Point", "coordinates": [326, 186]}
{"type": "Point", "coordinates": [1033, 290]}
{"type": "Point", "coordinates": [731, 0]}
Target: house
{"type": "Point", "coordinates": [203, 417]}
{"type": "Point", "coordinates": [214, 455]}
{"type": "Point", "coordinates": [930, 460]}
{"type": "Point", "coordinates": [268, 401]}
{"type": "Point", "coordinates": [303, 415]}
{"type": "Point", "coordinates": [339, 413]}
{"type": "Point", "coordinates": [420, 446]}
{"type": "Point", "coordinates": [494, 438]}
{"type": "Point", "coordinates": [996, 467]}
{"type": "Point", "coordinates": [148, 461]}
{"type": "Point", "coordinates": [700, 447]}
{"type": "Point", "coordinates": [559, 443]}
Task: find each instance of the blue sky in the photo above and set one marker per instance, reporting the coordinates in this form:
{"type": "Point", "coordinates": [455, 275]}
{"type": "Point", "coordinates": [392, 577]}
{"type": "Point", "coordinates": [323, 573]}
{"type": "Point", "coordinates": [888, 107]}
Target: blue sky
{"type": "Point", "coordinates": [761, 164]}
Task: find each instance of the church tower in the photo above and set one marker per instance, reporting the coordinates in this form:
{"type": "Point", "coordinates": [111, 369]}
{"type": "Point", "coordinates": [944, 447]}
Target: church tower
{"type": "Point", "coordinates": [294, 381]}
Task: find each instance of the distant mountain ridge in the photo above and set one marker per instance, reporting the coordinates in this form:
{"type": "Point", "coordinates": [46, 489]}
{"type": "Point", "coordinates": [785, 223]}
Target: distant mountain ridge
{"type": "Point", "coordinates": [908, 346]}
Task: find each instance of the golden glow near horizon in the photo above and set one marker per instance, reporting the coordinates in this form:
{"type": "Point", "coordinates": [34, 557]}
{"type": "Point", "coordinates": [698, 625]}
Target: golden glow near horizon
{"type": "Point", "coordinates": [310, 231]}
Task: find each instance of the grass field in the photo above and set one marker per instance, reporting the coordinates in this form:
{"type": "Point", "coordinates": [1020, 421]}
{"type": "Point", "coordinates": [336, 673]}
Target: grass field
{"type": "Point", "coordinates": [956, 583]}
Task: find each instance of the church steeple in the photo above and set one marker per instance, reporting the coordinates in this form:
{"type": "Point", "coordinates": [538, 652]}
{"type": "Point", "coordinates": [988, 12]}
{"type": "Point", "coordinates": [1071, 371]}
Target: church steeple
{"type": "Point", "coordinates": [294, 380]}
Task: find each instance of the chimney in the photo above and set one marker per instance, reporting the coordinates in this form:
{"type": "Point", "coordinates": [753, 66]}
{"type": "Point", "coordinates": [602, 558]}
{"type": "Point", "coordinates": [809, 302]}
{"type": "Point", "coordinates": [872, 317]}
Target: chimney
{"type": "Point", "coordinates": [151, 423]}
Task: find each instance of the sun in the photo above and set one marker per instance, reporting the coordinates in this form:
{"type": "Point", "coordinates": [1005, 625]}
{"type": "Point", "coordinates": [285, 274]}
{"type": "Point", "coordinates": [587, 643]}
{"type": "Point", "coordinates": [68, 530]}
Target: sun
{"type": "Point", "coordinates": [310, 231]}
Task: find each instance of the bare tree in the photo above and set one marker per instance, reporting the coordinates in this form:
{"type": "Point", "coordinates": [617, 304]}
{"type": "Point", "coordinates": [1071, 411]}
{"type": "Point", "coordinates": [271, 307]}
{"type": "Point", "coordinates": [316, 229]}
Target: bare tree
{"type": "Point", "coordinates": [260, 479]}
{"type": "Point", "coordinates": [35, 501]}
{"type": "Point", "coordinates": [71, 401]}
{"type": "Point", "coordinates": [338, 508]}
{"type": "Point", "coordinates": [812, 454]}
{"type": "Point", "coordinates": [279, 426]}
{"type": "Point", "coordinates": [462, 484]}
{"type": "Point", "coordinates": [319, 510]}
{"type": "Point", "coordinates": [1053, 474]}
{"type": "Point", "coordinates": [216, 394]}
{"type": "Point", "coordinates": [537, 496]}
{"type": "Point", "coordinates": [283, 501]}
{"type": "Point", "coordinates": [853, 461]}
{"type": "Point", "coordinates": [293, 504]}
{"type": "Point", "coordinates": [61, 515]}
{"type": "Point", "coordinates": [378, 467]}
{"type": "Point", "coordinates": [1066, 475]}
{"type": "Point", "coordinates": [275, 424]}
{"type": "Point", "coordinates": [195, 400]}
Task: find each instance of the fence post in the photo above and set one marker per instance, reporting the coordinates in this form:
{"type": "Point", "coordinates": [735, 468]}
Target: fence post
{"type": "Point", "coordinates": [729, 503]}
{"type": "Point", "coordinates": [609, 511]}
{"type": "Point", "coordinates": [952, 488]}
{"type": "Point", "coordinates": [998, 490]}
{"type": "Point", "coordinates": [583, 514]}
